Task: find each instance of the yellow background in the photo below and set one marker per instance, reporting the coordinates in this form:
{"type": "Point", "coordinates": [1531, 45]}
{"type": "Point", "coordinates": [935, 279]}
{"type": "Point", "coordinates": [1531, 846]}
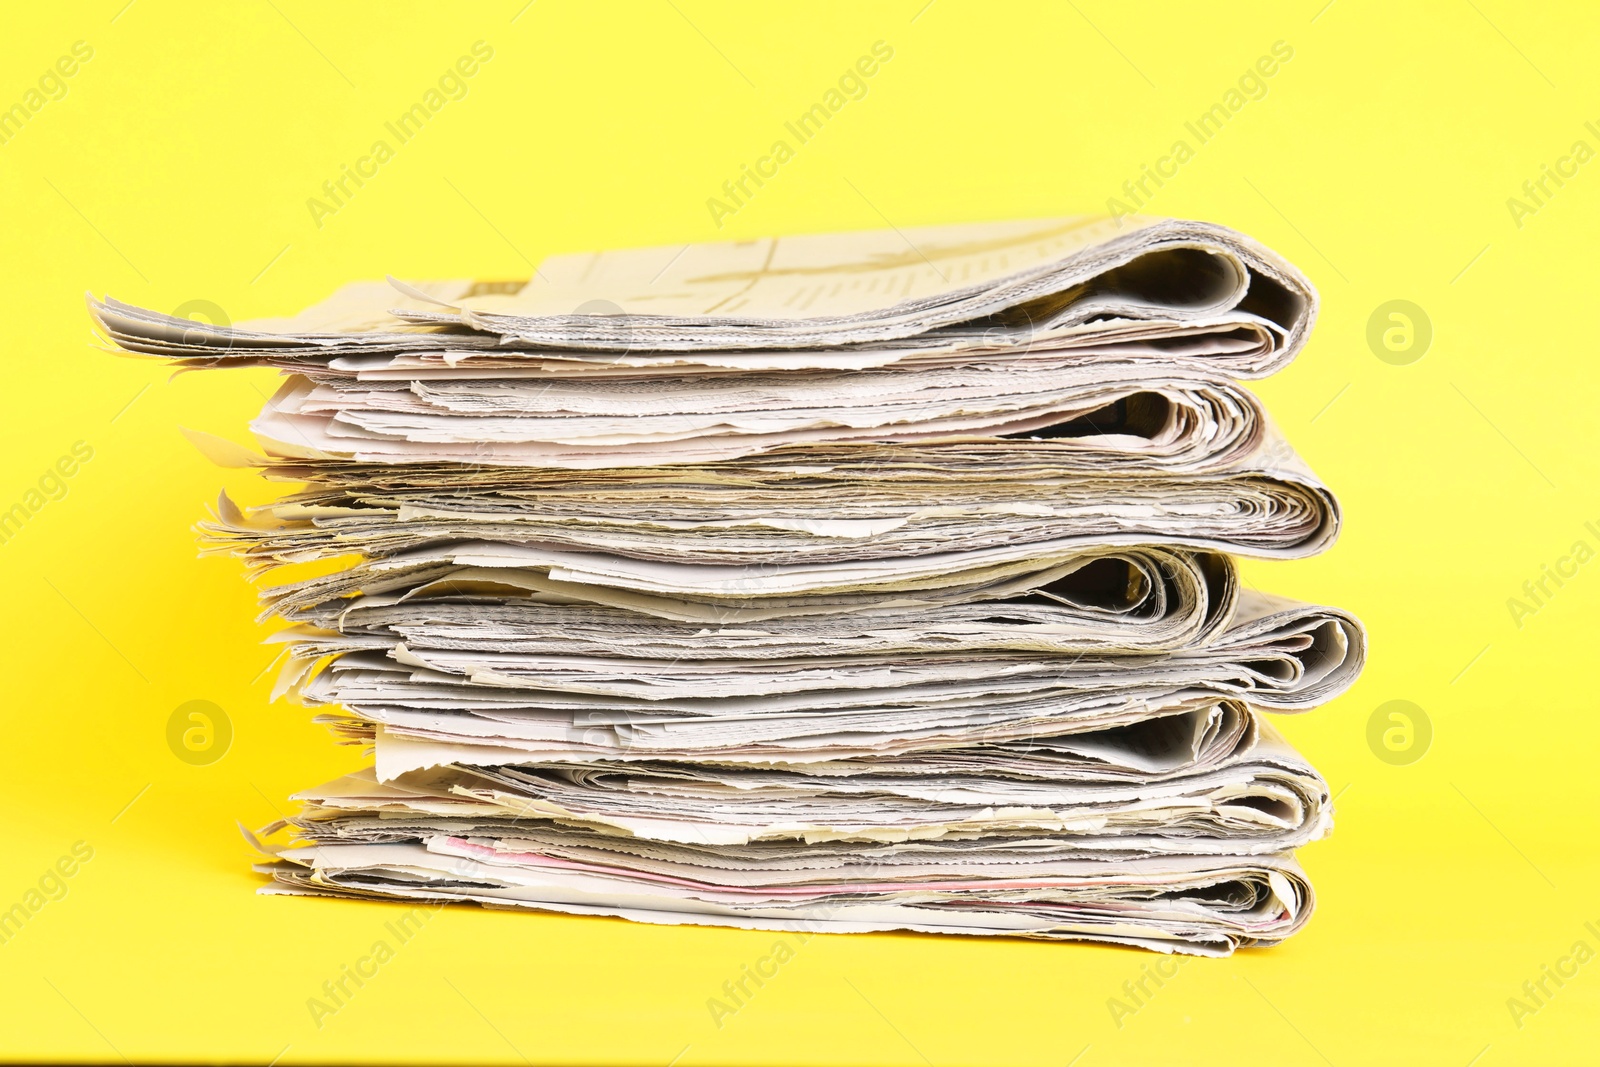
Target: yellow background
{"type": "Point", "coordinates": [177, 168]}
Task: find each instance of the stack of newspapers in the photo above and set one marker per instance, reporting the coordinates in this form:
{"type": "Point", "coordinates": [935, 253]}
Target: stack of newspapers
{"type": "Point", "coordinates": [870, 581]}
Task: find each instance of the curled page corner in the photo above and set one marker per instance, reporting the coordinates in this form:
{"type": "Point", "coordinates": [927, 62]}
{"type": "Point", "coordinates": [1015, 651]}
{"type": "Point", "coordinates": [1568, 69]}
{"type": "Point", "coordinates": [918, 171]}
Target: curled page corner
{"type": "Point", "coordinates": [414, 293]}
{"type": "Point", "coordinates": [221, 451]}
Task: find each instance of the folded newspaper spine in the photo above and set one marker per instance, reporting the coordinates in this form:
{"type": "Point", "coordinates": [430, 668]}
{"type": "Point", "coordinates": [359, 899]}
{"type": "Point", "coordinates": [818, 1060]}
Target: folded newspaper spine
{"type": "Point", "coordinates": [872, 581]}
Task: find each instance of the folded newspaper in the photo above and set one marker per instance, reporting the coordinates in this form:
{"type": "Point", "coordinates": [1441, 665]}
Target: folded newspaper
{"type": "Point", "coordinates": [847, 582]}
{"type": "Point", "coordinates": [1216, 778]}
{"type": "Point", "coordinates": [421, 706]}
{"type": "Point", "coordinates": [1170, 833]}
{"type": "Point", "coordinates": [1145, 288]}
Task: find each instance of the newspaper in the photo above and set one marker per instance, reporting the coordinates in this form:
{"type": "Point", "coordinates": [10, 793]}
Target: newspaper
{"type": "Point", "coordinates": [1155, 288]}
{"type": "Point", "coordinates": [889, 501]}
{"type": "Point", "coordinates": [1198, 905]}
{"type": "Point", "coordinates": [424, 707]}
{"type": "Point", "coordinates": [1094, 415]}
{"type": "Point", "coordinates": [1169, 833]}
{"type": "Point", "coordinates": [847, 582]}
{"type": "Point", "coordinates": [1131, 600]}
{"type": "Point", "coordinates": [1217, 779]}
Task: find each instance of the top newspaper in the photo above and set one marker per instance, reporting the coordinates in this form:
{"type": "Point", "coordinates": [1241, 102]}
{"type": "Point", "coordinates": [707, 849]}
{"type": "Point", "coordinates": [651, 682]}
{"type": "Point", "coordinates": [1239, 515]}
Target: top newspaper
{"type": "Point", "coordinates": [1156, 288]}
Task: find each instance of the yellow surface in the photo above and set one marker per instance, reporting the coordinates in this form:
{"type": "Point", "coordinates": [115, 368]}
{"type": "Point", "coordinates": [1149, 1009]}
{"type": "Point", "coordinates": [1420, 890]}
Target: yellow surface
{"type": "Point", "coordinates": [177, 166]}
